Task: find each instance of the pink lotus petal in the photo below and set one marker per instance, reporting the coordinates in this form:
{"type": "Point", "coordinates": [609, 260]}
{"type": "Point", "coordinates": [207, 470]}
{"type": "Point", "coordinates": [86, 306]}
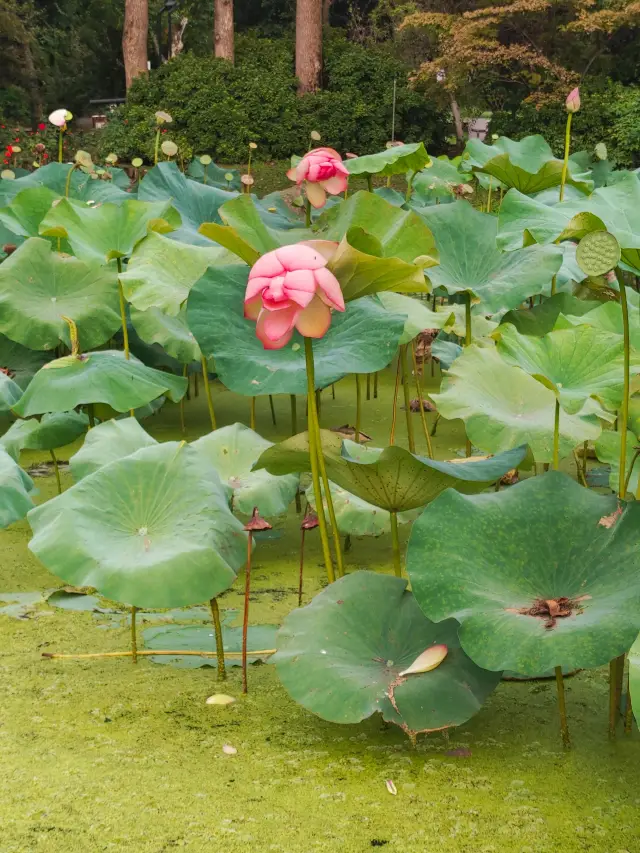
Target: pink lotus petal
{"type": "Point", "coordinates": [315, 320]}
{"type": "Point", "coordinates": [255, 286]}
{"type": "Point", "coordinates": [268, 265]}
{"type": "Point", "coordinates": [428, 660]}
{"type": "Point", "coordinates": [299, 256]}
{"type": "Point", "coordinates": [316, 195]}
{"type": "Point", "coordinates": [292, 173]}
{"type": "Point", "coordinates": [253, 307]}
{"type": "Point", "coordinates": [335, 185]}
{"type": "Point", "coordinates": [274, 325]}
{"type": "Point", "coordinates": [330, 291]}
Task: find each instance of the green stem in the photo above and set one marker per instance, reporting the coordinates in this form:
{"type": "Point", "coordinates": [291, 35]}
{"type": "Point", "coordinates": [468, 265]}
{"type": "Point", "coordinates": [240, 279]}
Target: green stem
{"type": "Point", "coordinates": [207, 391]}
{"type": "Point", "coordinates": [273, 411]}
{"type": "Point", "coordinates": [157, 148]}
{"type": "Point", "coordinates": [123, 311]}
{"type": "Point", "coordinates": [375, 386]}
{"type": "Point", "coordinates": [294, 414]}
{"type": "Point", "coordinates": [358, 408]}
{"type": "Point", "coordinates": [252, 413]}
{"type": "Point", "coordinates": [567, 146]}
{"type": "Point", "coordinates": [368, 386]}
{"type": "Point", "coordinates": [307, 213]}
{"type": "Point", "coordinates": [67, 183]}
{"type": "Point", "coordinates": [423, 417]}
{"type": "Point", "coordinates": [313, 456]}
{"type": "Point", "coordinates": [56, 468]}
{"type": "Point", "coordinates": [407, 398]}
{"type": "Point", "coordinates": [215, 616]}
{"type": "Point", "coordinates": [134, 636]}
{"type": "Point", "coordinates": [407, 196]}
{"type": "Point", "coordinates": [394, 411]}
{"type": "Point", "coordinates": [204, 176]}
{"type": "Point", "coordinates": [370, 183]}
{"type": "Point", "coordinates": [300, 578]}
{"type": "Point", "coordinates": [624, 411]}
{"type": "Point", "coordinates": [397, 560]}
{"type": "Point", "coordinates": [467, 342]}
{"type": "Point", "coordinates": [489, 195]}
{"type": "Point", "coordinates": [554, 282]}
{"type": "Point", "coordinates": [245, 618]}
{"type": "Point", "coordinates": [183, 426]}
{"type": "Point", "coordinates": [628, 711]}
{"type": "Point", "coordinates": [562, 707]}
{"type": "Point", "coordinates": [60, 146]}
{"type": "Point", "coordinates": [556, 437]}
{"type": "Point", "coordinates": [91, 414]}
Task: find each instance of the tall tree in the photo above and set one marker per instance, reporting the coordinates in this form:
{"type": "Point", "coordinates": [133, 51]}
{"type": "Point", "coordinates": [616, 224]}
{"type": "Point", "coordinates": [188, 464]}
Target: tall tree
{"type": "Point", "coordinates": [308, 44]}
{"type": "Point", "coordinates": [134, 39]}
{"type": "Point", "coordinates": [223, 33]}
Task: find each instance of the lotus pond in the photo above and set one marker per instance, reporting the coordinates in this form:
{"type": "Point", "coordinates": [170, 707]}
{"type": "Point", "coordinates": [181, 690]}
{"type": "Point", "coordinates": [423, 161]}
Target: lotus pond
{"type": "Point", "coordinates": [320, 518]}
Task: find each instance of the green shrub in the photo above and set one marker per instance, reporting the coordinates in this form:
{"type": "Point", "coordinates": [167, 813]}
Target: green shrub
{"type": "Point", "coordinates": [219, 108]}
{"type": "Point", "coordinates": [609, 114]}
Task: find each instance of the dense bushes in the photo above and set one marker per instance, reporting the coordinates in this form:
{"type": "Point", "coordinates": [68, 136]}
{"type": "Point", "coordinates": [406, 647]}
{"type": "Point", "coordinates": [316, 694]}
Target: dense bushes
{"type": "Point", "coordinates": [609, 114]}
{"type": "Point", "coordinates": [220, 108]}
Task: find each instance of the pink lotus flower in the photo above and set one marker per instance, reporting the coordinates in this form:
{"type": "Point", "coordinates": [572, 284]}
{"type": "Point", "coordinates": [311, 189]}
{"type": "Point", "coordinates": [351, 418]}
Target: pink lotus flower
{"type": "Point", "coordinates": [59, 118]}
{"type": "Point", "coordinates": [292, 288]}
{"type": "Point", "coordinates": [573, 101]}
{"type": "Point", "coordinates": [323, 171]}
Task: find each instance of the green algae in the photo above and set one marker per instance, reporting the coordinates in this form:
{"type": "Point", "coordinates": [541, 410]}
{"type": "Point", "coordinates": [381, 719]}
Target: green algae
{"type": "Point", "coordinates": [101, 755]}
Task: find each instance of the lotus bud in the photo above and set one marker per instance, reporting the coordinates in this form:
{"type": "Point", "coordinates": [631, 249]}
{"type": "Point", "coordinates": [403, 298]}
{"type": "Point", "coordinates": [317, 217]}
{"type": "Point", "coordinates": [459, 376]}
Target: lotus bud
{"type": "Point", "coordinates": [573, 101]}
{"type": "Point", "coordinates": [163, 118]}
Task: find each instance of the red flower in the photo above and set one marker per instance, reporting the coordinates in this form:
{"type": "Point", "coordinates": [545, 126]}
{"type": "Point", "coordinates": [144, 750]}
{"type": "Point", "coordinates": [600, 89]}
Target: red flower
{"type": "Point", "coordinates": [9, 150]}
{"type": "Point", "coordinates": [42, 126]}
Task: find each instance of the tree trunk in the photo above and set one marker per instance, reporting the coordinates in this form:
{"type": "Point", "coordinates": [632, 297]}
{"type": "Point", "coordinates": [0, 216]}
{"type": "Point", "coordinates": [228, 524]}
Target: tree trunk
{"type": "Point", "coordinates": [134, 39]}
{"type": "Point", "coordinates": [223, 36]}
{"type": "Point", "coordinates": [455, 109]}
{"type": "Point", "coordinates": [308, 45]}
{"type": "Point", "coordinates": [34, 88]}
{"type": "Point", "coordinates": [326, 12]}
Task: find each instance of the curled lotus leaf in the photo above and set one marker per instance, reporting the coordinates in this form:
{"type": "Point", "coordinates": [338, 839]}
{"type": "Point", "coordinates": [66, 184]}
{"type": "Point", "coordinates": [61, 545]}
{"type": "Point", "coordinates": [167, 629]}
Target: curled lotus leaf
{"type": "Point", "coordinates": [97, 377]}
{"type": "Point", "coordinates": [108, 442]}
{"type": "Point", "coordinates": [215, 176]}
{"type": "Point", "coordinates": [390, 478]}
{"type": "Point", "coordinates": [172, 333]}
{"type": "Point", "coordinates": [540, 575]}
{"type": "Point", "coordinates": [51, 431]}
{"type": "Point", "coordinates": [542, 317]}
{"type": "Point", "coordinates": [342, 656]}
{"type": "Point", "coordinates": [396, 160]}
{"type": "Point", "coordinates": [10, 393]}
{"type": "Point", "coordinates": [419, 315]}
{"type": "Point", "coordinates": [152, 529]}
{"type": "Point", "coordinates": [357, 517]}
{"type": "Point", "coordinates": [232, 451]}
{"type": "Point", "coordinates": [15, 485]}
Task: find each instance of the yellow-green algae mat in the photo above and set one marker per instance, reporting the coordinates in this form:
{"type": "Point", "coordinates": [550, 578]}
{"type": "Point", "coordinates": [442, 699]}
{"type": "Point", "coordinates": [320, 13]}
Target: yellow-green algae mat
{"type": "Point", "coordinates": [100, 755]}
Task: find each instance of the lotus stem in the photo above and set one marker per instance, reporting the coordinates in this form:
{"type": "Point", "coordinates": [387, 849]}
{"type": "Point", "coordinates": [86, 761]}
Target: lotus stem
{"type": "Point", "coordinates": [123, 311]}
{"type": "Point", "coordinates": [368, 386]}
{"type": "Point", "coordinates": [370, 183]}
{"type": "Point", "coordinates": [183, 426]}
{"type": "Point", "coordinates": [134, 636]}
{"type": "Point", "coordinates": [204, 176]}
{"type": "Point", "coordinates": [335, 532]}
{"type": "Point", "coordinates": [556, 436]}
{"type": "Point", "coordinates": [67, 183]}
{"type": "Point", "coordinates": [215, 616]}
{"type": "Point", "coordinates": [613, 697]}
{"type": "Point", "coordinates": [407, 398]}
{"type": "Point", "coordinates": [375, 386]}
{"type": "Point", "coordinates": [565, 164]}
{"type": "Point", "coordinates": [294, 414]}
{"type": "Point", "coordinates": [397, 560]}
{"type": "Point", "coordinates": [196, 385]}
{"type": "Point", "coordinates": [252, 413]}
{"type": "Point", "coordinates": [307, 213]}
{"type": "Point", "coordinates": [207, 391]}
{"type": "Point", "coordinates": [423, 417]}
{"type": "Point", "coordinates": [273, 411]}
{"type": "Point", "coordinates": [562, 707]}
{"type": "Point", "coordinates": [157, 148]}
{"type": "Point", "coordinates": [489, 194]}
{"type": "Point", "coordinates": [158, 653]}
{"type": "Point", "coordinates": [467, 343]}
{"type": "Point", "coordinates": [628, 711]}
{"type": "Point", "coordinates": [347, 543]}
{"type": "Point", "coordinates": [624, 410]}
{"type": "Point", "coordinates": [91, 415]}
{"type": "Point", "coordinates": [435, 424]}
{"type": "Point", "coordinates": [56, 468]}
{"type": "Point", "coordinates": [358, 408]}
{"type": "Point", "coordinates": [407, 196]}
{"type": "Point", "coordinates": [313, 457]}
{"type": "Point", "coordinates": [333, 391]}
{"type": "Point", "coordinates": [394, 412]}
{"type": "Point", "coordinates": [554, 282]}
{"type": "Point", "coordinates": [60, 145]}
{"type": "Point", "coordinates": [579, 472]}
{"type": "Point", "coordinates": [245, 618]}
{"type": "Point", "coordinates": [319, 404]}
{"type": "Point", "coordinates": [300, 579]}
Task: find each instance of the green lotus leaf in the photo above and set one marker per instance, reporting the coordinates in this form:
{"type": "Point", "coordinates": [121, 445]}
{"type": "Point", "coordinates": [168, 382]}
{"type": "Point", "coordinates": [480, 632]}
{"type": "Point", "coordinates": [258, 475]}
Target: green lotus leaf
{"type": "Point", "coordinates": [171, 333]}
{"type": "Point", "coordinates": [607, 317]}
{"type": "Point", "coordinates": [634, 678]}
{"type": "Point", "coordinates": [39, 287]}
{"type": "Point", "coordinates": [481, 326]}
{"type": "Point", "coordinates": [445, 352]}
{"type": "Point", "coordinates": [232, 451]}
{"type": "Point", "coordinates": [54, 430]}
{"type": "Point", "coordinates": [357, 517]}
{"type": "Point", "coordinates": [21, 362]}
{"type": "Point", "coordinates": [363, 339]}
{"type": "Point", "coordinates": [108, 442]}
{"type": "Point", "coordinates": [215, 176]}
{"type": "Point", "coordinates": [161, 272]}
{"type": "Point", "coordinates": [97, 377]}
{"type": "Point", "coordinates": [575, 363]}
{"type": "Point", "coordinates": [436, 184]}
{"type": "Point", "coordinates": [528, 165]}
{"type": "Point", "coordinates": [390, 478]}
{"type": "Point", "coordinates": [243, 232]}
{"type": "Point", "coordinates": [27, 209]}
{"type": "Point", "coordinates": [419, 315]}
{"type": "Point", "coordinates": [82, 186]}
{"type": "Point", "coordinates": [470, 262]}
{"type": "Point", "coordinates": [10, 393]}
{"type": "Point", "coordinates": [201, 638]}
{"type": "Point", "coordinates": [150, 530]}
{"type": "Point", "coordinates": [401, 233]}
{"type": "Point", "coordinates": [15, 486]}
{"type": "Point", "coordinates": [503, 407]}
{"type": "Point", "coordinates": [392, 161]}
{"type": "Point", "coordinates": [544, 540]}
{"type": "Point", "coordinates": [276, 214]}
{"type": "Point", "coordinates": [542, 318]}
{"type": "Point", "coordinates": [341, 658]}
{"type": "Point", "coordinates": [608, 451]}
{"type": "Point", "coordinates": [194, 202]}
{"type": "Point", "coordinates": [485, 180]}
{"type": "Point", "coordinates": [107, 231]}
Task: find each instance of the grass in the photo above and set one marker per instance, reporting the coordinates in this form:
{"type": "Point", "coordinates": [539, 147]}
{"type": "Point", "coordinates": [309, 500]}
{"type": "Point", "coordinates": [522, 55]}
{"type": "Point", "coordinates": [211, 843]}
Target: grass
{"type": "Point", "coordinates": [102, 755]}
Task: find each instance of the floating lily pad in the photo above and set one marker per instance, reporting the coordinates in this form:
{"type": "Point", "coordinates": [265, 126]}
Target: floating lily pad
{"type": "Point", "coordinates": [503, 407]}
{"type": "Point", "coordinates": [232, 451]}
{"type": "Point", "coordinates": [540, 575]}
{"type": "Point", "coordinates": [108, 442]}
{"type": "Point", "coordinates": [76, 601]}
{"type": "Point", "coordinates": [97, 377]}
{"type": "Point", "coordinates": [15, 486]}
{"type": "Point", "coordinates": [150, 530]}
{"type": "Point", "coordinates": [19, 604]}
{"type": "Point", "coordinates": [51, 431]}
{"type": "Point", "coordinates": [390, 478]}
{"type": "Point", "coordinates": [363, 339]}
{"type": "Point", "coordinates": [199, 638]}
{"type": "Point", "coordinates": [341, 658]}
{"type": "Point", "coordinates": [39, 287]}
